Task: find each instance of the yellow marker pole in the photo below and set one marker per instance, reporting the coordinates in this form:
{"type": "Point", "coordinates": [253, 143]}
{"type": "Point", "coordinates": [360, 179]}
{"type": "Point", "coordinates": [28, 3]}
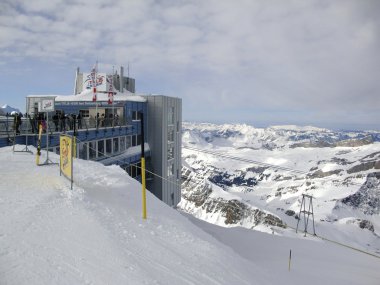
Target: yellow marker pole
{"type": "Point", "coordinates": [143, 186]}
{"type": "Point", "coordinates": [143, 168]}
{"type": "Point", "coordinates": [39, 144]}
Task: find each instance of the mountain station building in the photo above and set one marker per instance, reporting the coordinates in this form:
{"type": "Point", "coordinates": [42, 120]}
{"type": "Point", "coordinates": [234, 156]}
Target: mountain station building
{"type": "Point", "coordinates": [110, 132]}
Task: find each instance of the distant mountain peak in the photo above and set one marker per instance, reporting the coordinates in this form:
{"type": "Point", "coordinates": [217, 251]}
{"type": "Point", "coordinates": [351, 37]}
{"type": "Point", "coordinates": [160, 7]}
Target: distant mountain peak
{"type": "Point", "coordinates": [8, 109]}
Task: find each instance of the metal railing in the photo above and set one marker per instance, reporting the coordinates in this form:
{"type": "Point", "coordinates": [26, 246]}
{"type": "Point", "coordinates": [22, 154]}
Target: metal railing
{"type": "Point", "coordinates": [9, 128]}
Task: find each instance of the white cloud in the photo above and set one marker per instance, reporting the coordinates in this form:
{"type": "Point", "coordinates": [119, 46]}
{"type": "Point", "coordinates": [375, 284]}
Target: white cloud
{"type": "Point", "coordinates": [289, 55]}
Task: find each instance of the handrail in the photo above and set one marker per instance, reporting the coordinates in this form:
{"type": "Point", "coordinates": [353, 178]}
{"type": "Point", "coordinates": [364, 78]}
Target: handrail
{"type": "Point", "coordinates": [30, 125]}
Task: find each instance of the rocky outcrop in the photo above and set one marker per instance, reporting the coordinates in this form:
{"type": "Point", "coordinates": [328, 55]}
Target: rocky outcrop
{"type": "Point", "coordinates": [197, 191]}
{"type": "Point", "coordinates": [320, 174]}
{"type": "Point", "coordinates": [317, 144]}
{"type": "Point", "coordinates": [236, 212]}
{"type": "Point", "coordinates": [365, 224]}
{"type": "Point", "coordinates": [194, 190]}
{"type": "Point", "coordinates": [364, 166]}
{"type": "Point", "coordinates": [223, 179]}
{"type": "Point", "coordinates": [355, 142]}
{"type": "Point", "coordinates": [367, 198]}
{"type": "Point", "coordinates": [290, 212]}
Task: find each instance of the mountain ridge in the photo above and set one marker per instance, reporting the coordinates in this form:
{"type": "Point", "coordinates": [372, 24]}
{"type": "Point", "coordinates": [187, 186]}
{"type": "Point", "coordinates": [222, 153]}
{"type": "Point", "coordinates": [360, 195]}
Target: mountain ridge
{"type": "Point", "coordinates": [328, 165]}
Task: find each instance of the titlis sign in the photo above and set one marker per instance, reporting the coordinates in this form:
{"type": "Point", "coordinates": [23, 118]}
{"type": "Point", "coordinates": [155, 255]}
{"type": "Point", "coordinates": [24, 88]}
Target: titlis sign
{"type": "Point", "coordinates": [46, 105]}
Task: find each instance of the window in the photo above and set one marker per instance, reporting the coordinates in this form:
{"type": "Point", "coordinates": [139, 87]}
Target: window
{"type": "Point", "coordinates": [138, 169]}
{"type": "Point", "coordinates": [132, 171]}
{"type": "Point", "coordinates": [134, 140]}
{"type": "Point", "coordinates": [109, 146]}
{"type": "Point", "coordinates": [92, 150]}
{"type": "Point", "coordinates": [82, 148]}
{"type": "Point", "coordinates": [100, 148]}
{"type": "Point", "coordinates": [116, 145]}
{"type": "Point", "coordinates": [84, 113]}
{"type": "Point", "coordinates": [128, 142]}
{"type": "Point", "coordinates": [135, 170]}
{"type": "Point", "coordinates": [122, 143]}
{"type": "Point", "coordinates": [138, 139]}
{"type": "Point", "coordinates": [170, 152]}
{"type": "Point", "coordinates": [170, 170]}
{"type": "Point", "coordinates": [171, 116]}
{"type": "Point", "coordinates": [136, 116]}
{"type": "Point", "coordinates": [170, 136]}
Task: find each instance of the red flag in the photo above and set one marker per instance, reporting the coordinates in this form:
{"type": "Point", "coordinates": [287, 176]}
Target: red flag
{"type": "Point", "coordinates": [110, 90]}
{"type": "Point", "coordinates": [93, 82]}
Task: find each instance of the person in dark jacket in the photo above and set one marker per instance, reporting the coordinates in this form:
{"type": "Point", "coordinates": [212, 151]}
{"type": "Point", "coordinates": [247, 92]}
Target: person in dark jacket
{"type": "Point", "coordinates": [56, 120]}
{"type": "Point", "coordinates": [97, 120]}
{"type": "Point", "coordinates": [31, 121]}
{"type": "Point", "coordinates": [17, 123]}
{"type": "Point", "coordinates": [79, 118]}
{"type": "Point", "coordinates": [62, 119]}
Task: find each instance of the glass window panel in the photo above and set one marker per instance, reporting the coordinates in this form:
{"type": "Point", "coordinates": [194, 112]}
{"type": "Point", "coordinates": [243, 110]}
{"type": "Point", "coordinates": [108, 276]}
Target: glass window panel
{"type": "Point", "coordinates": [171, 116]}
{"type": "Point", "coordinates": [83, 150]}
{"type": "Point", "coordinates": [134, 140]}
{"type": "Point", "coordinates": [122, 143]}
{"type": "Point", "coordinates": [170, 152]}
{"type": "Point", "coordinates": [100, 148]}
{"type": "Point", "coordinates": [138, 169]}
{"type": "Point", "coordinates": [138, 139]}
{"type": "Point", "coordinates": [115, 145]}
{"type": "Point", "coordinates": [128, 142]}
{"type": "Point", "coordinates": [109, 146]}
{"type": "Point", "coordinates": [171, 136]}
{"type": "Point", "coordinates": [92, 150]}
{"type": "Point", "coordinates": [170, 170]}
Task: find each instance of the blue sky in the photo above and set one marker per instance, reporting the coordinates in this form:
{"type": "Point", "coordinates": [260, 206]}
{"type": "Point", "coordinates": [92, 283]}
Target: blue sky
{"type": "Point", "coordinates": [256, 62]}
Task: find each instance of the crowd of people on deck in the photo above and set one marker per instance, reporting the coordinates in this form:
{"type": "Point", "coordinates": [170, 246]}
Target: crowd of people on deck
{"type": "Point", "coordinates": [62, 122]}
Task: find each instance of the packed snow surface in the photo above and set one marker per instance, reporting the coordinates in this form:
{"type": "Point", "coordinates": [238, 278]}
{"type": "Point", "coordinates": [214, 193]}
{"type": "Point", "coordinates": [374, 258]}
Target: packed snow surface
{"type": "Point", "coordinates": [94, 234]}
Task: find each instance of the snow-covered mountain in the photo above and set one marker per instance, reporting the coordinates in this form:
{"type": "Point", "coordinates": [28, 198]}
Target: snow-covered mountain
{"type": "Point", "coordinates": [7, 109]}
{"type": "Point", "coordinates": [252, 177]}
{"type": "Point", "coordinates": [94, 234]}
{"type": "Point", "coordinates": [275, 137]}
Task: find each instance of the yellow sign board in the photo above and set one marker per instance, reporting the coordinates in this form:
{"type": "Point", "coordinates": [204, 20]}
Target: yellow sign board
{"type": "Point", "coordinates": [66, 145]}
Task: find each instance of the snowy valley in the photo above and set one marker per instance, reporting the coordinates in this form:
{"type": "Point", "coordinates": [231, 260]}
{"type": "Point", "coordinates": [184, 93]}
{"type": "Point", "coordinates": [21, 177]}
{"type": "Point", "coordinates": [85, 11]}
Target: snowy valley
{"type": "Point", "coordinates": [94, 234]}
{"type": "Point", "coordinates": [238, 175]}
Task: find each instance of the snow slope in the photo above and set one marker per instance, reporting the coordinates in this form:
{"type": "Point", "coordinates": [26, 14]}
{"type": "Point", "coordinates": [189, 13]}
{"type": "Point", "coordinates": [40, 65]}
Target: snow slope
{"type": "Point", "coordinates": [94, 234]}
{"type": "Point", "coordinates": [312, 262]}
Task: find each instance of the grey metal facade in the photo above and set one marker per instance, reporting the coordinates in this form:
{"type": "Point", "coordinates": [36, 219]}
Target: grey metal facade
{"type": "Point", "coordinates": [165, 140]}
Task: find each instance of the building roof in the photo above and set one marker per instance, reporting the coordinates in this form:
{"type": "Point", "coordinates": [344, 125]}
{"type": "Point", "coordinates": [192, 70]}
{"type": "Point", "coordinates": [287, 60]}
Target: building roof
{"type": "Point", "coordinates": [86, 96]}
